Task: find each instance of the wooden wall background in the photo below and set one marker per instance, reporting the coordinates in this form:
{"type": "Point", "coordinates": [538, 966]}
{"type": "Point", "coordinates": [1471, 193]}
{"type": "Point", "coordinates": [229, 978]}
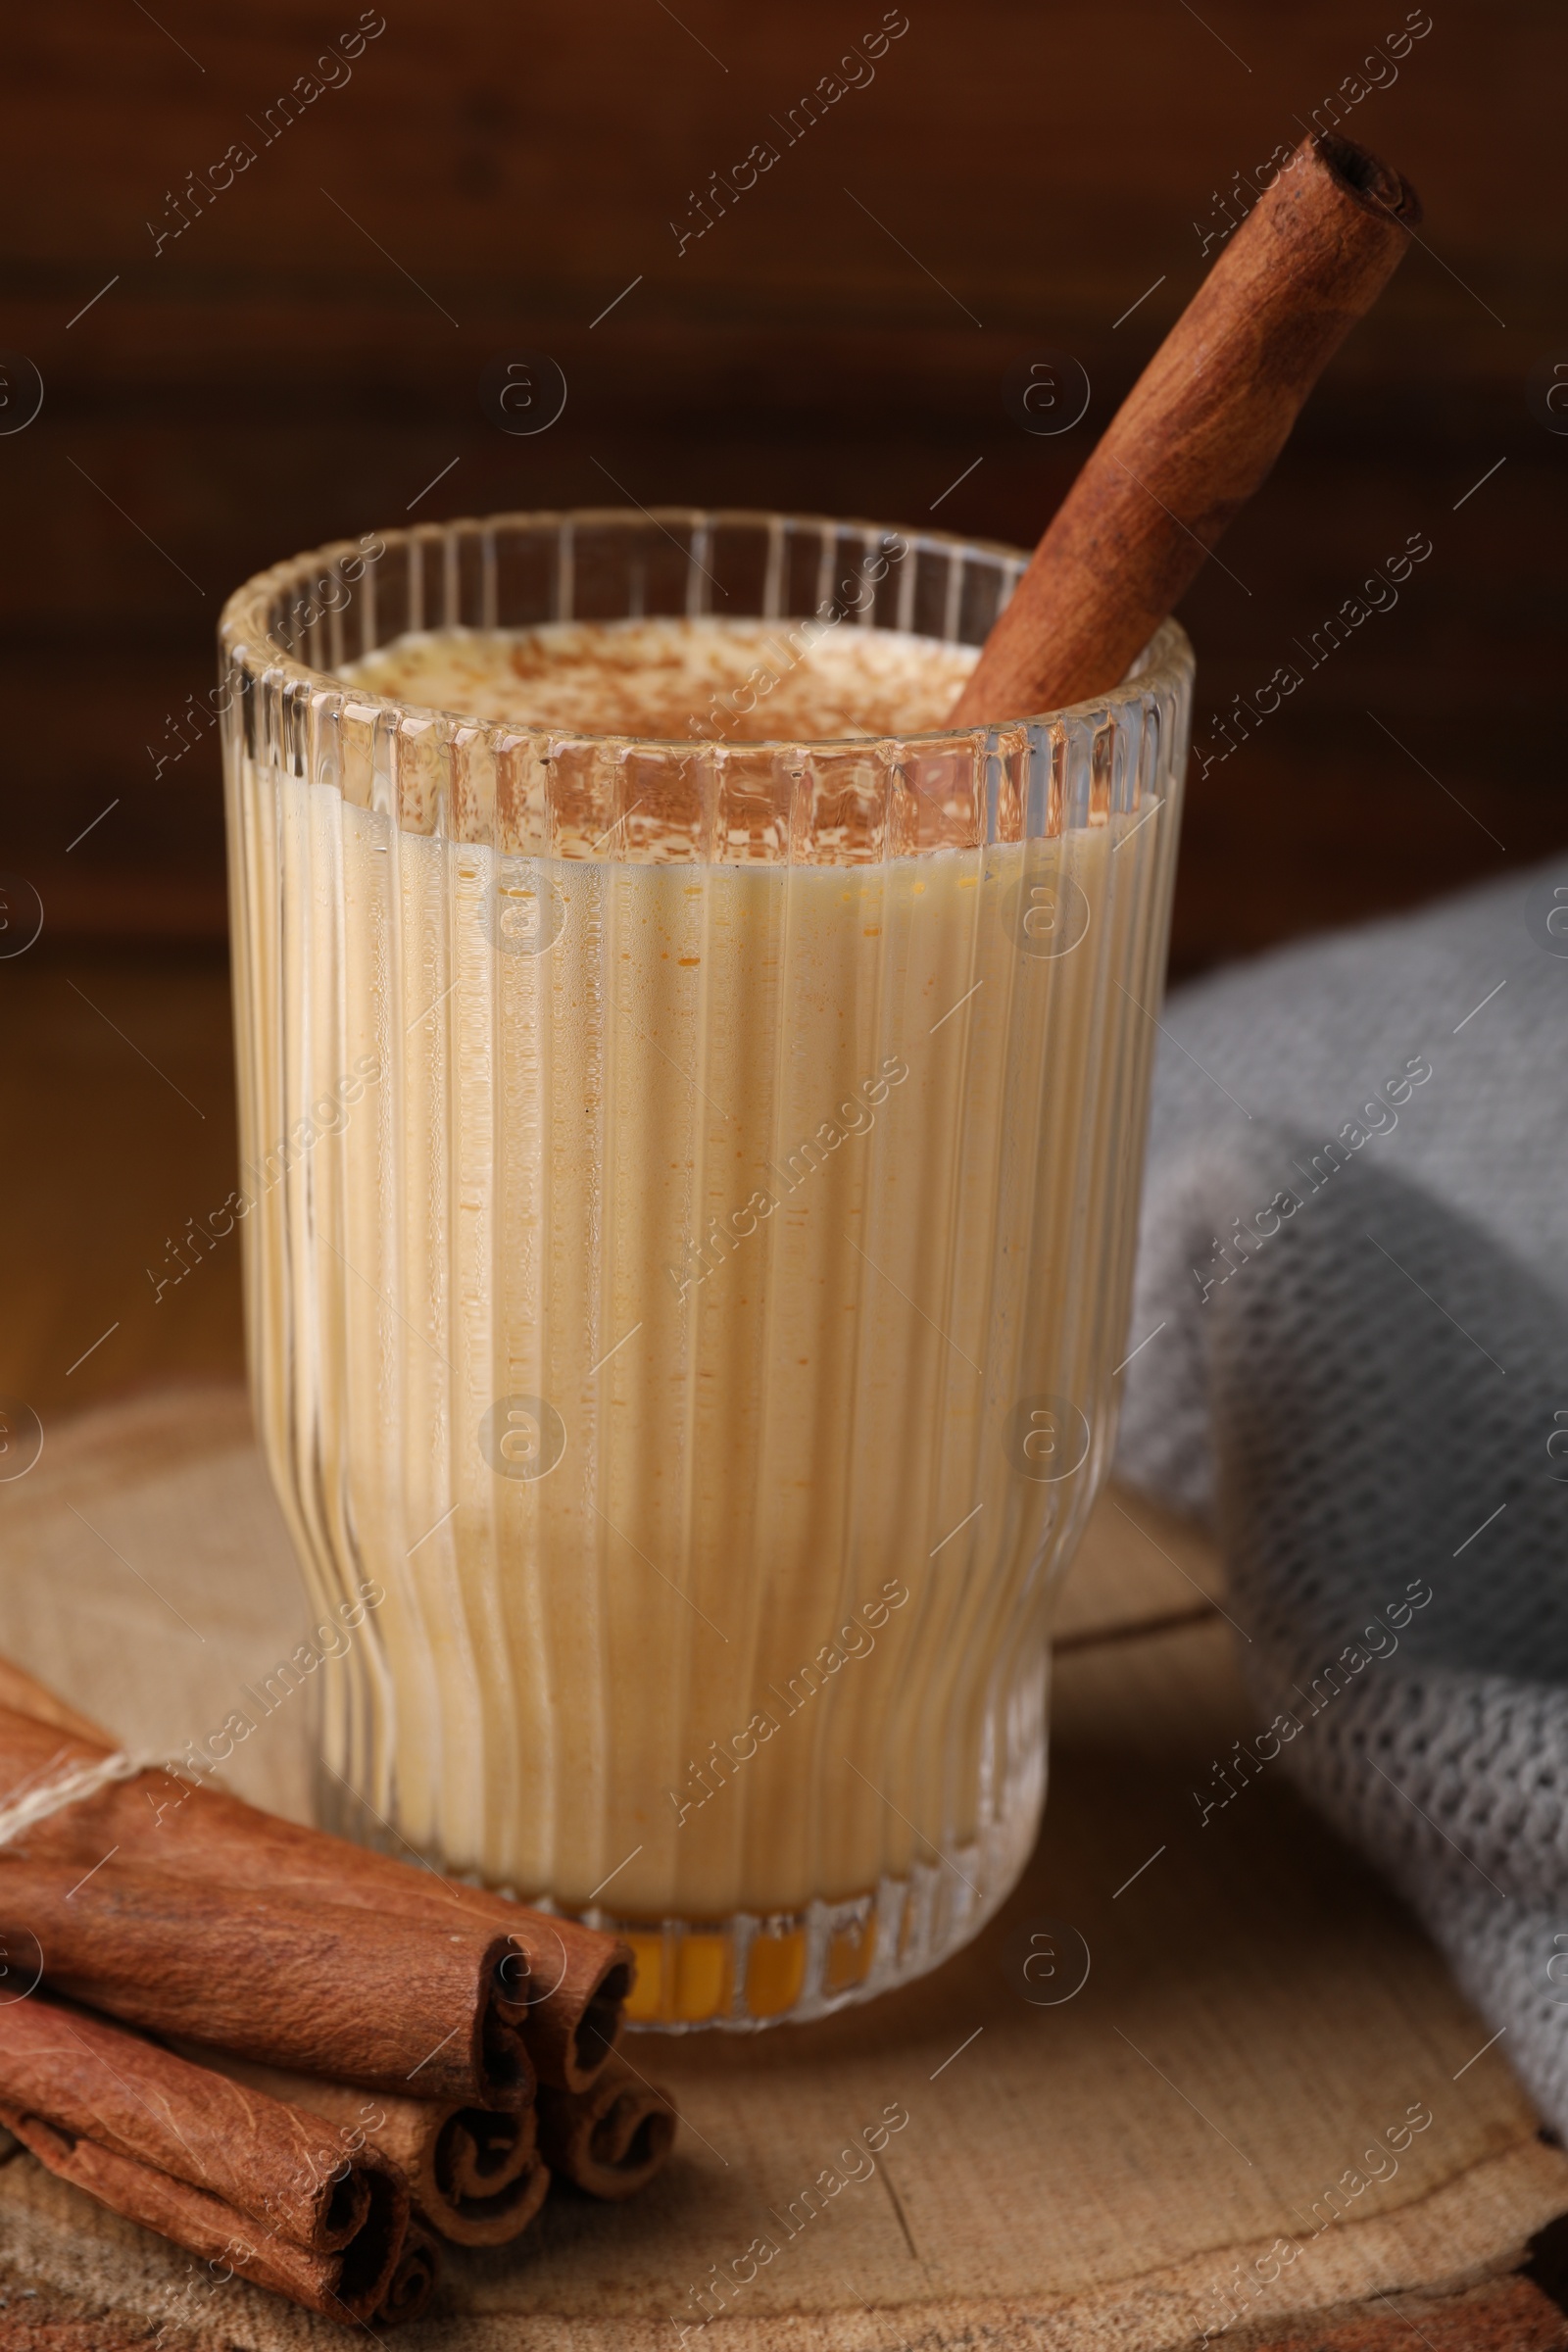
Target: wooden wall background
{"type": "Point", "coordinates": [304, 358]}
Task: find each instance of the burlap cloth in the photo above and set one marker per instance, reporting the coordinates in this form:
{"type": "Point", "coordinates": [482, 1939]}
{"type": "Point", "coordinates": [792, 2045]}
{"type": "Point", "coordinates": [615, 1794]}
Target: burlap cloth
{"type": "Point", "coordinates": [1257, 2016]}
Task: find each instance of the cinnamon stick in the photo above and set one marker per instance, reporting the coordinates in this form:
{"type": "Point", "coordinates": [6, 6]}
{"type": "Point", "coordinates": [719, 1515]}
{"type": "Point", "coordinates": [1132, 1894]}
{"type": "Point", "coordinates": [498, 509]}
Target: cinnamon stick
{"type": "Point", "coordinates": [612, 2139]}
{"type": "Point", "coordinates": [476, 2175]}
{"type": "Point", "coordinates": [564, 1987]}
{"type": "Point", "coordinates": [228, 2173]}
{"type": "Point", "coordinates": [415, 2279]}
{"type": "Point", "coordinates": [328, 2284]}
{"type": "Point", "coordinates": [1198, 433]}
{"type": "Point", "coordinates": [284, 2168]}
{"type": "Point", "coordinates": [324, 1987]}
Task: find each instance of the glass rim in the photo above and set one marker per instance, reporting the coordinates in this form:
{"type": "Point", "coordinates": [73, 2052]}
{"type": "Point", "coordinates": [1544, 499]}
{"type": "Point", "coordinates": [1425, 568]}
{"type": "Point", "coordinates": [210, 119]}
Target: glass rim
{"type": "Point", "coordinates": [246, 639]}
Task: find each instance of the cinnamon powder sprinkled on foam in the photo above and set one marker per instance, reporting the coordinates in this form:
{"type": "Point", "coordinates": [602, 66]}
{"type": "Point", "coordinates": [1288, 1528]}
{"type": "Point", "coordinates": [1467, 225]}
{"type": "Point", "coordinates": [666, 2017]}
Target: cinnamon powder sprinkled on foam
{"type": "Point", "coordinates": [748, 681]}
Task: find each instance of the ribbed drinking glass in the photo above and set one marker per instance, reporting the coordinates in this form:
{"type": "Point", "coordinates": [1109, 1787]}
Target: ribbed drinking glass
{"type": "Point", "coordinates": [690, 1192]}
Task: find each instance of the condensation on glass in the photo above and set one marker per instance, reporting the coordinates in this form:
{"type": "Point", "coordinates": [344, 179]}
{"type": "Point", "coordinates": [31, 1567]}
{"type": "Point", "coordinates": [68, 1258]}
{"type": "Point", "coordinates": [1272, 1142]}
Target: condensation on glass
{"type": "Point", "coordinates": [691, 1200]}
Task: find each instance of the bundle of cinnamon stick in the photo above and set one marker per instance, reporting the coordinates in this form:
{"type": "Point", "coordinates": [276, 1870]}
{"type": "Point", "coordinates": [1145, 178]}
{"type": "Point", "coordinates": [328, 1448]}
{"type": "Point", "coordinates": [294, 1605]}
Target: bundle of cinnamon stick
{"type": "Point", "coordinates": [325, 2061]}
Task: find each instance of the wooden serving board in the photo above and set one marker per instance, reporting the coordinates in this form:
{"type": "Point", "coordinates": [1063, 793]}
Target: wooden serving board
{"type": "Point", "coordinates": [1172, 2145]}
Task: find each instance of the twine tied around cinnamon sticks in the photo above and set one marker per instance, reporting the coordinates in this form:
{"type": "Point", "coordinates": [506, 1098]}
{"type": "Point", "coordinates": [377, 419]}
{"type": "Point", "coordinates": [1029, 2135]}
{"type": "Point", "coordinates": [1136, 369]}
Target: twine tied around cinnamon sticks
{"type": "Point", "coordinates": [261, 1978]}
{"type": "Point", "coordinates": [73, 1787]}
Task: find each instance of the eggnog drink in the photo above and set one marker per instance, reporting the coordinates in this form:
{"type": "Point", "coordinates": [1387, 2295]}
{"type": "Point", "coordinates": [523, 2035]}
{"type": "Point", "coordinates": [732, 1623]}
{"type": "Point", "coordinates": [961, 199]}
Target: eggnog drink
{"type": "Point", "coordinates": [701, 1319]}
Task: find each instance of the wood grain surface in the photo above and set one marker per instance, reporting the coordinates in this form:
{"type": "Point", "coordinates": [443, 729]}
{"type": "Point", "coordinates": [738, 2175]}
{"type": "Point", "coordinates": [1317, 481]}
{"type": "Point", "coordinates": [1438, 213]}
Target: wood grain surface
{"type": "Point", "coordinates": [1173, 2145]}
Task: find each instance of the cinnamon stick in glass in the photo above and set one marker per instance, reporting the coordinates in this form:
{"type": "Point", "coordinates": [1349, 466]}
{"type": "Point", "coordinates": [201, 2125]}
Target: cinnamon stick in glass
{"type": "Point", "coordinates": [1197, 432]}
{"type": "Point", "coordinates": [564, 1987]}
{"type": "Point", "coordinates": [611, 2138]}
{"type": "Point", "coordinates": [322, 1987]}
{"type": "Point", "coordinates": [230, 2174]}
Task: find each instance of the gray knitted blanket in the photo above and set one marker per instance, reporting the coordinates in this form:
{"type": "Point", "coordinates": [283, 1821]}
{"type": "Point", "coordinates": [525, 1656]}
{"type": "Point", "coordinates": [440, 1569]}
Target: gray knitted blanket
{"type": "Point", "coordinates": [1355, 1265]}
